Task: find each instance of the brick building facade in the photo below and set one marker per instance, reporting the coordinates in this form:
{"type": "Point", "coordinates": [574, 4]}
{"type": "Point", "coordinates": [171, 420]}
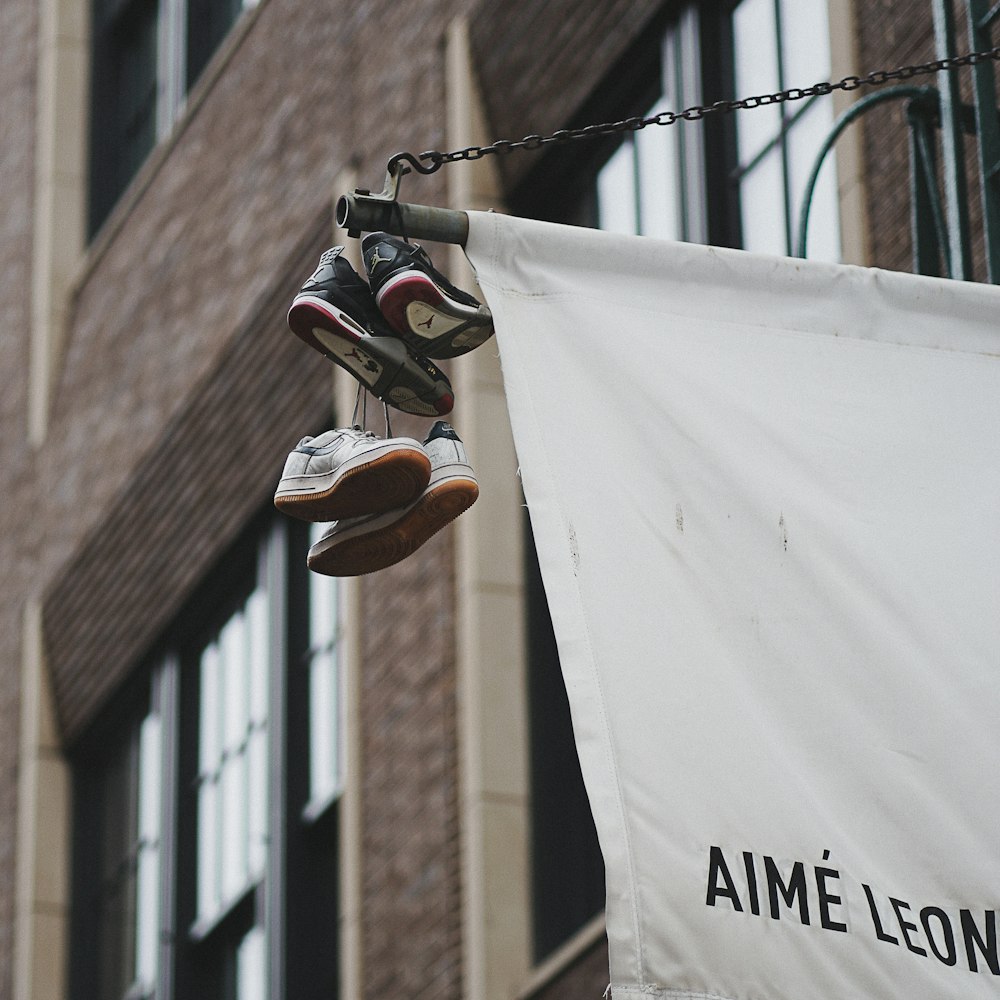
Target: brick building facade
{"type": "Point", "coordinates": [149, 395]}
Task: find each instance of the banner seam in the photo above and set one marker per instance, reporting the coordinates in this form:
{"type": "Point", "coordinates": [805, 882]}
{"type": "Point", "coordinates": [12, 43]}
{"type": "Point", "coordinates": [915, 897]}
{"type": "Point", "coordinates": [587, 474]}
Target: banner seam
{"type": "Point", "coordinates": [785, 331]}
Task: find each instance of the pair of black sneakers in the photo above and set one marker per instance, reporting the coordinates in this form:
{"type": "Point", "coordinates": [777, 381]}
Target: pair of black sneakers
{"type": "Point", "coordinates": [386, 330]}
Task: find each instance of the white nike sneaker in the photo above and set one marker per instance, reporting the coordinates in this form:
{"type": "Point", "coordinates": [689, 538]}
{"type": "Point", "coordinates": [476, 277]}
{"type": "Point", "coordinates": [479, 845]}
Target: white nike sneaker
{"type": "Point", "coordinates": [349, 473]}
{"type": "Point", "coordinates": [359, 545]}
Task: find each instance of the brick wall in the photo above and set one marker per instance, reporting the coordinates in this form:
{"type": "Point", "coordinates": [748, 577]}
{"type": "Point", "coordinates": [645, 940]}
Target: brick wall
{"type": "Point", "coordinates": [18, 29]}
{"type": "Point", "coordinates": [890, 35]}
{"type": "Point", "coordinates": [182, 390]}
{"type": "Point", "coordinates": [895, 33]}
{"type": "Point", "coordinates": [411, 919]}
{"type": "Point", "coordinates": [212, 467]}
{"type": "Point", "coordinates": [539, 88]}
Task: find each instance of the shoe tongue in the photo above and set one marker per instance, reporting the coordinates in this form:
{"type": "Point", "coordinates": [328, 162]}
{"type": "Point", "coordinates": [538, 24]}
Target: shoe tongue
{"type": "Point", "coordinates": [442, 429]}
{"type": "Point", "coordinates": [327, 437]}
{"type": "Point", "coordinates": [325, 268]}
{"type": "Point", "coordinates": [329, 256]}
{"type": "Point", "coordinates": [373, 238]}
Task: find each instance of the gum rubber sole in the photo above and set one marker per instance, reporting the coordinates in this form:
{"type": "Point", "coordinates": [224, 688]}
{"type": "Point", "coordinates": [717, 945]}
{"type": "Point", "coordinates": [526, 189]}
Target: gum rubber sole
{"type": "Point", "coordinates": [385, 483]}
{"type": "Point", "coordinates": [362, 552]}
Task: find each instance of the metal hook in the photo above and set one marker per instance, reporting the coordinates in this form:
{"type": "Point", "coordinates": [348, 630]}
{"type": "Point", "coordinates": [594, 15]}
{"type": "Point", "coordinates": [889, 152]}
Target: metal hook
{"type": "Point", "coordinates": [394, 171]}
{"type": "Point", "coordinates": [371, 212]}
{"type": "Point", "coordinates": [415, 163]}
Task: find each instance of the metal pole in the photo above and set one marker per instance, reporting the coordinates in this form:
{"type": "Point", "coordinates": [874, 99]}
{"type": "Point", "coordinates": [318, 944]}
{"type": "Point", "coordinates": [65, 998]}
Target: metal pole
{"type": "Point", "coordinates": [855, 111]}
{"type": "Point", "coordinates": [982, 18]}
{"type": "Point", "coordinates": [926, 218]}
{"type": "Point", "coordinates": [359, 213]}
{"type": "Point", "coordinates": [952, 147]}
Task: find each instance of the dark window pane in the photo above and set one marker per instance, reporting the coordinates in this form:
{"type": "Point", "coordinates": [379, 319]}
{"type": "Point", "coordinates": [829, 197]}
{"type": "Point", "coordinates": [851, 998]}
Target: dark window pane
{"type": "Point", "coordinates": [106, 860]}
{"type": "Point", "coordinates": [568, 868]}
{"type": "Point", "coordinates": [208, 22]}
{"type": "Point", "coordinates": [123, 100]}
{"type": "Point", "coordinates": [119, 821]}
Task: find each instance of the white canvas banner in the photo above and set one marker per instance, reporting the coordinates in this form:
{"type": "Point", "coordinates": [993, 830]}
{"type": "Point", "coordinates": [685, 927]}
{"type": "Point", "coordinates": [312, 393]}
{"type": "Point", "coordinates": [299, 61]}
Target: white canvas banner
{"type": "Point", "coordinates": [766, 499]}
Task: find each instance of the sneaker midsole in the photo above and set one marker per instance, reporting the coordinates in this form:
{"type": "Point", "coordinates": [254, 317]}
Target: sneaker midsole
{"type": "Point", "coordinates": [452, 472]}
{"type": "Point", "coordinates": [321, 481]}
{"type": "Point", "coordinates": [436, 297]}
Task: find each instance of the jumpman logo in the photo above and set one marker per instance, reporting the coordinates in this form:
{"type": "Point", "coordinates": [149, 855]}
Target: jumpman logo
{"type": "Point", "coordinates": [367, 362]}
{"type": "Point", "coordinates": [427, 322]}
{"type": "Point", "coordinates": [376, 260]}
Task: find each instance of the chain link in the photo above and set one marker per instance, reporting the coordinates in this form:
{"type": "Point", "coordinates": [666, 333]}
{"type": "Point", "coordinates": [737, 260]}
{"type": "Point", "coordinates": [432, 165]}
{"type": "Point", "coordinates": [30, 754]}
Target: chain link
{"type": "Point", "coordinates": [436, 159]}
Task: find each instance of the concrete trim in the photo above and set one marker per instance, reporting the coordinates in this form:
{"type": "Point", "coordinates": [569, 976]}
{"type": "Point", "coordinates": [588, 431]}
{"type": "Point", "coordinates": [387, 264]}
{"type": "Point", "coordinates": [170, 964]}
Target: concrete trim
{"type": "Point", "coordinates": [565, 957]}
{"type": "Point", "coordinates": [41, 916]}
{"type": "Point", "coordinates": [491, 654]}
{"type": "Point", "coordinates": [854, 231]}
{"type": "Point", "coordinates": [351, 902]}
{"type": "Point", "coordinates": [60, 193]}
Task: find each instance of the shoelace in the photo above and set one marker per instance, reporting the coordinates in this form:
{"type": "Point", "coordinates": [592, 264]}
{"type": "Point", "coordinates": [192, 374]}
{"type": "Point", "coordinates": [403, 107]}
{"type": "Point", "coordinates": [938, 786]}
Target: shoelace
{"type": "Point", "coordinates": [361, 402]}
{"type": "Point", "coordinates": [419, 253]}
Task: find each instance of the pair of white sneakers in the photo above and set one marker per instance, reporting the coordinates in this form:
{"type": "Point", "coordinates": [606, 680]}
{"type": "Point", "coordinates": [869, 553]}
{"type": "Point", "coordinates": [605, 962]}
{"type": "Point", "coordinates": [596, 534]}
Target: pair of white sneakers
{"type": "Point", "coordinates": [385, 496]}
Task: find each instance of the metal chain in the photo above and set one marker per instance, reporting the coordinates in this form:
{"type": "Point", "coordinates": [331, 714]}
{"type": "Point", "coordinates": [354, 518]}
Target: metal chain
{"type": "Point", "coordinates": [437, 159]}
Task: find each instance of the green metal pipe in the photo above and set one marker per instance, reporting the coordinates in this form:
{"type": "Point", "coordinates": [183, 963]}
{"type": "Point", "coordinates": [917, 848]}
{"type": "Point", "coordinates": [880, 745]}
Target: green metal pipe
{"type": "Point", "coordinates": [854, 112]}
{"type": "Point", "coordinates": [953, 178]}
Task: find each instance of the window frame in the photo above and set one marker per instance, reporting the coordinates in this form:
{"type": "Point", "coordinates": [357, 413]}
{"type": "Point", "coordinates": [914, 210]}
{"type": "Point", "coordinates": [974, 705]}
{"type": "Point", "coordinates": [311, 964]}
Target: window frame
{"type": "Point", "coordinates": [789, 117]}
{"type": "Point", "coordinates": [112, 162]}
{"type": "Point", "coordinates": [295, 901]}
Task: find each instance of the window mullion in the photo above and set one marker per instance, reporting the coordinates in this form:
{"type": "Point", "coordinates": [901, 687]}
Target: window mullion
{"type": "Point", "coordinates": [166, 682]}
{"type": "Point", "coordinates": [171, 62]}
{"type": "Point", "coordinates": [786, 173]}
{"type": "Point", "coordinates": [273, 580]}
{"type": "Point", "coordinates": [682, 61]}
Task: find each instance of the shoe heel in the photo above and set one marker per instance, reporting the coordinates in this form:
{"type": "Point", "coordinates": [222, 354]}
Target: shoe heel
{"type": "Point", "coordinates": [362, 555]}
{"type": "Point", "coordinates": [396, 295]}
{"type": "Point", "coordinates": [445, 501]}
{"type": "Point", "coordinates": [437, 508]}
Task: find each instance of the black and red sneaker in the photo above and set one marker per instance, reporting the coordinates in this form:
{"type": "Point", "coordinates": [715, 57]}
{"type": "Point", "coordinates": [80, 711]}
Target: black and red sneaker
{"type": "Point", "coordinates": [436, 319]}
{"type": "Point", "coordinates": [335, 314]}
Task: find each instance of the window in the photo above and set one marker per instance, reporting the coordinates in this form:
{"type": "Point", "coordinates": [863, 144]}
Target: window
{"type": "Point", "coordinates": [567, 866]}
{"type": "Point", "coordinates": [733, 180]}
{"type": "Point", "coordinates": [145, 56]}
{"type": "Point", "coordinates": [206, 802]}
{"type": "Point", "coordinates": [232, 747]}
{"type": "Point", "coordinates": [779, 44]}
{"type": "Point", "coordinates": [730, 180]}
{"type": "Point", "coordinates": [228, 675]}
{"type": "Point", "coordinates": [120, 842]}
{"type": "Point", "coordinates": [653, 184]}
{"type": "Point", "coordinates": [322, 663]}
